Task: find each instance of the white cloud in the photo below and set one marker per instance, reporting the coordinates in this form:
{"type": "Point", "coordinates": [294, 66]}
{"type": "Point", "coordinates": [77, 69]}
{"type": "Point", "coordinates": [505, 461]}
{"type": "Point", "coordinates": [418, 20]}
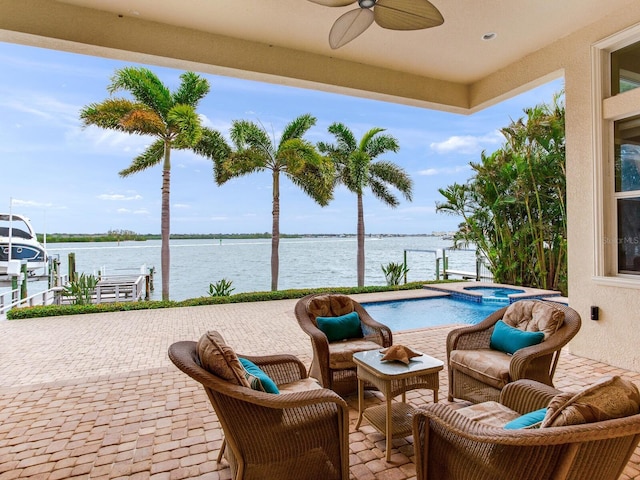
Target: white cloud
{"type": "Point", "coordinates": [30, 203]}
{"type": "Point", "coordinates": [42, 106]}
{"type": "Point", "coordinates": [467, 144]}
{"type": "Point", "coordinates": [140, 211]}
{"type": "Point", "coordinates": [106, 140]}
{"type": "Point", "coordinates": [444, 171]}
{"type": "Point", "coordinates": [181, 205]}
{"type": "Point", "coordinates": [120, 197]}
{"type": "Point", "coordinates": [221, 125]}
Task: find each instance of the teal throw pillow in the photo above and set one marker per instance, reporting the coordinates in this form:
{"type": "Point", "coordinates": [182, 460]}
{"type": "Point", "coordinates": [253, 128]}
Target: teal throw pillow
{"type": "Point", "coordinates": [340, 328]}
{"type": "Point", "coordinates": [257, 378]}
{"type": "Point", "coordinates": [509, 339]}
{"type": "Point", "coordinates": [528, 420]}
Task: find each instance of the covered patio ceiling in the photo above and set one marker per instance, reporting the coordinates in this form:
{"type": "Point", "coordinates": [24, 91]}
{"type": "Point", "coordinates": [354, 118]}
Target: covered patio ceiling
{"type": "Point", "coordinates": [449, 67]}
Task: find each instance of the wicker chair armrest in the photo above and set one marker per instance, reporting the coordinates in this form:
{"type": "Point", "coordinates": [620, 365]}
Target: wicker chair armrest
{"type": "Point", "coordinates": [289, 400]}
{"type": "Point", "coordinates": [372, 329]}
{"type": "Point", "coordinates": [523, 362]}
{"type": "Point", "coordinates": [280, 368]}
{"type": "Point", "coordinates": [525, 396]}
{"type": "Point", "coordinates": [381, 334]}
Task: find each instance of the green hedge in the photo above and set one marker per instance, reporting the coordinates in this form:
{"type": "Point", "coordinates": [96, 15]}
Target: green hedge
{"type": "Point", "coordinates": [56, 310]}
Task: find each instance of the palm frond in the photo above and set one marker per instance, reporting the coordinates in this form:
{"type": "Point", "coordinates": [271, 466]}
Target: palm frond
{"type": "Point", "coordinates": [245, 134]}
{"type": "Point", "coordinates": [344, 136]}
{"type": "Point", "coordinates": [108, 114]}
{"type": "Point", "coordinates": [152, 156]}
{"type": "Point", "coordinates": [311, 172]}
{"type": "Point", "coordinates": [184, 122]}
{"type": "Point", "coordinates": [238, 164]}
{"type": "Point", "coordinates": [145, 87]}
{"type": "Point", "coordinates": [380, 144]}
{"type": "Point", "coordinates": [143, 122]}
{"type": "Point", "coordinates": [298, 127]}
{"type": "Point", "coordinates": [366, 138]}
{"type": "Point", "coordinates": [392, 174]}
{"type": "Point", "coordinates": [212, 145]}
{"type": "Point", "coordinates": [382, 193]}
{"type": "Point", "coordinates": [295, 152]}
{"type": "Point", "coordinates": [192, 89]}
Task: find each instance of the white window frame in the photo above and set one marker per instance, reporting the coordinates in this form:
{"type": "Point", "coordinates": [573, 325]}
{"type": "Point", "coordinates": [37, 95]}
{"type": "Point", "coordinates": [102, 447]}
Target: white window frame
{"type": "Point", "coordinates": [606, 110]}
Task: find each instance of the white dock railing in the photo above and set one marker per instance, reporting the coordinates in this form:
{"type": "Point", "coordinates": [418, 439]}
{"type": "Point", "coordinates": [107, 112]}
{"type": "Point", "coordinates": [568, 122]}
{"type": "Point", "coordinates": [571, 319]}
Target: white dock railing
{"type": "Point", "coordinates": [129, 287]}
{"type": "Point", "coordinates": [11, 299]}
{"type": "Point", "coordinates": [120, 288]}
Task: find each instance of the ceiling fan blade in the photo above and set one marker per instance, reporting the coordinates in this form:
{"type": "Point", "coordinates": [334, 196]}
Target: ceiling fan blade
{"type": "Point", "coordinates": [349, 26]}
{"type": "Point", "coordinates": [407, 14]}
{"type": "Point", "coordinates": [333, 3]}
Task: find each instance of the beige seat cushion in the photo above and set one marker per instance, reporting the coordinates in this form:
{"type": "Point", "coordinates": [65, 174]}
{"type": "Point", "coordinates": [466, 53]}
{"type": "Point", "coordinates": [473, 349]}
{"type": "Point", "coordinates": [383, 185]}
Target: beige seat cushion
{"type": "Point", "coordinates": [609, 398]}
{"type": "Point", "coordinates": [534, 316]}
{"type": "Point", "coordinates": [485, 365]}
{"type": "Point", "coordinates": [341, 353]}
{"type": "Point", "coordinates": [303, 385]}
{"type": "Point", "coordinates": [219, 358]}
{"type": "Point", "coordinates": [489, 413]}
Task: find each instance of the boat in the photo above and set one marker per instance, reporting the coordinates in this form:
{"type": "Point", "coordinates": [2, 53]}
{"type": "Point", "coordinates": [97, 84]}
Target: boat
{"type": "Point", "coordinates": [18, 241]}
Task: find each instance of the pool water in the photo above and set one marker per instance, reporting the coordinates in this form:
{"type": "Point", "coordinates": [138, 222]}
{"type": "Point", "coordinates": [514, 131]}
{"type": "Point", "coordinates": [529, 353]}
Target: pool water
{"type": "Point", "coordinates": [494, 292]}
{"type": "Point", "coordinates": [402, 315]}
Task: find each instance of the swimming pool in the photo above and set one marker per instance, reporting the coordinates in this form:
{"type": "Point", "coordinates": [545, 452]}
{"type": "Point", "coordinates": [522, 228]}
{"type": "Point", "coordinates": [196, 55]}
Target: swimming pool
{"type": "Point", "coordinates": [494, 292]}
{"type": "Point", "coordinates": [401, 315]}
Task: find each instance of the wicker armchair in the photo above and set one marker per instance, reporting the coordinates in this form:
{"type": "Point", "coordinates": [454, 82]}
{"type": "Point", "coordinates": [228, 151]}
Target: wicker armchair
{"type": "Point", "coordinates": [480, 384]}
{"type": "Point", "coordinates": [299, 435]}
{"type": "Point", "coordinates": [450, 446]}
{"type": "Point", "coordinates": [332, 362]}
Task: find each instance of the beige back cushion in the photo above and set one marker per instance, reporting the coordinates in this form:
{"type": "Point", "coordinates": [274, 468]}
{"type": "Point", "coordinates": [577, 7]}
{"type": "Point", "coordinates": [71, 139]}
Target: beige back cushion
{"type": "Point", "coordinates": [219, 358]}
{"type": "Point", "coordinates": [329, 306]}
{"type": "Point", "coordinates": [534, 316]}
{"type": "Point", "coordinates": [610, 397]}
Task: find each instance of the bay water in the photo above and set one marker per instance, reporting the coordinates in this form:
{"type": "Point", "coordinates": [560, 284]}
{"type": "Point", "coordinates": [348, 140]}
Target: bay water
{"type": "Point", "coordinates": [304, 262]}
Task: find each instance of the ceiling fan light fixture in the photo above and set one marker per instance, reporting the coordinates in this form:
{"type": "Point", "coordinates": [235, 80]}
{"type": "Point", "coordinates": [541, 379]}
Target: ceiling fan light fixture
{"type": "Point", "coordinates": [366, 3]}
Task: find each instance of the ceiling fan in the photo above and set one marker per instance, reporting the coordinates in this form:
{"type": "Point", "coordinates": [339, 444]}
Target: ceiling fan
{"type": "Point", "coordinates": [391, 14]}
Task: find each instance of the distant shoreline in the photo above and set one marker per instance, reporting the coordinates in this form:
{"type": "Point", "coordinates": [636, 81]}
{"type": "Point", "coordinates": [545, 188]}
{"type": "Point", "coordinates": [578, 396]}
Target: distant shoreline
{"type": "Point", "coordinates": [105, 237]}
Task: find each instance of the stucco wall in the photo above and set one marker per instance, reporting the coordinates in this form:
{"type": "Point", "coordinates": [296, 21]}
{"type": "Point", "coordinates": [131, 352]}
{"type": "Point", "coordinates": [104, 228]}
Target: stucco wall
{"type": "Point", "coordinates": [615, 337]}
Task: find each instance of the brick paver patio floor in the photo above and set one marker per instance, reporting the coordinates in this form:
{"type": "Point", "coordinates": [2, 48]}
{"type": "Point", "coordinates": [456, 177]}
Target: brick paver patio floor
{"type": "Point", "coordinates": [96, 397]}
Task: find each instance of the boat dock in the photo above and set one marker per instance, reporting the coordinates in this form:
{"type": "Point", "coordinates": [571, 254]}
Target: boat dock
{"type": "Point", "coordinates": [125, 287]}
{"type": "Point", "coordinates": [122, 289]}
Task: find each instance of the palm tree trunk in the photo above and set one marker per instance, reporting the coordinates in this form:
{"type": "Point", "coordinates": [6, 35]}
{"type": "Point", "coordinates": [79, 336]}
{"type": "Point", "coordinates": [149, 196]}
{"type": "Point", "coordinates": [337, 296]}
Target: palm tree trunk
{"type": "Point", "coordinates": [165, 227]}
{"type": "Point", "coordinates": [275, 230]}
{"type": "Point", "coordinates": [360, 242]}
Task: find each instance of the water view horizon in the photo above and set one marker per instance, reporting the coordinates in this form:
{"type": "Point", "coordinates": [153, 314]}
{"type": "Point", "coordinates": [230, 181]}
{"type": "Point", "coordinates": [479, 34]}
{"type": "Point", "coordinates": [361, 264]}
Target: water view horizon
{"type": "Point", "coordinates": [304, 262]}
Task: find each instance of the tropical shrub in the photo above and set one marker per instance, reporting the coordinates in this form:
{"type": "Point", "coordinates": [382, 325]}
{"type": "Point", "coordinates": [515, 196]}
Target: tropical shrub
{"type": "Point", "coordinates": [222, 288]}
{"type": "Point", "coordinates": [514, 207]}
{"type": "Point", "coordinates": [81, 289]}
{"type": "Point", "coordinates": [394, 272]}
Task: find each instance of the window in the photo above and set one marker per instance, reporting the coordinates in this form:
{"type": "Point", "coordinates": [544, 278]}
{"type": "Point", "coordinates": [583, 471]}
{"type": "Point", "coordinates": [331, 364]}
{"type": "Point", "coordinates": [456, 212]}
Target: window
{"type": "Point", "coordinates": [627, 193]}
{"type": "Point", "coordinates": [625, 69]}
{"type": "Point", "coordinates": [616, 78]}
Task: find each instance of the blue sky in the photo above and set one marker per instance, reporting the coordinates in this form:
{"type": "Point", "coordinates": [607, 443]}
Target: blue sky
{"type": "Point", "coordinates": [65, 178]}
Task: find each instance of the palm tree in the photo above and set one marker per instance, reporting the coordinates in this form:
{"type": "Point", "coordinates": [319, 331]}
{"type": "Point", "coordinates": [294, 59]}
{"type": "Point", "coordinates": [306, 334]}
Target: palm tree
{"type": "Point", "coordinates": [357, 169]}
{"type": "Point", "coordinates": [168, 116]}
{"type": "Point", "coordinates": [293, 156]}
